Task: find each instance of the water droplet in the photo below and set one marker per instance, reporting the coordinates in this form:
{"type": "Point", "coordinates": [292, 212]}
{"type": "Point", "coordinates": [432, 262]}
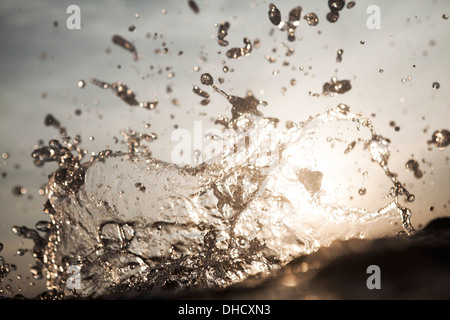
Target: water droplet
{"type": "Point", "coordinates": [333, 16]}
{"type": "Point", "coordinates": [350, 147]}
{"type": "Point", "coordinates": [351, 4]}
{"type": "Point", "coordinates": [440, 138]}
{"type": "Point", "coordinates": [445, 16]}
{"type": "Point", "coordinates": [200, 92]}
{"type": "Point", "coordinates": [19, 191]}
{"type": "Point", "coordinates": [343, 108]}
{"type": "Point", "coordinates": [223, 33]}
{"type": "Point", "coordinates": [274, 15]}
{"type": "Point", "coordinates": [336, 4]}
{"type": "Point", "coordinates": [206, 79]}
{"type": "Point", "coordinates": [36, 272]}
{"type": "Point", "coordinates": [81, 84]}
{"type": "Point", "coordinates": [193, 5]}
{"type": "Point", "coordinates": [413, 165]}
{"type": "Point", "coordinates": [257, 43]}
{"type": "Point", "coordinates": [311, 19]}
{"type": "Point", "coordinates": [336, 86]}
{"type": "Point", "coordinates": [43, 226]}
{"type": "Point", "coordinates": [127, 45]}
{"type": "Point", "coordinates": [362, 191]}
{"type": "Point", "coordinates": [295, 16]}
{"type": "Point", "coordinates": [20, 252]}
{"type": "Point", "coordinates": [339, 55]}
{"type": "Point", "coordinates": [362, 42]}
{"type": "Point", "coordinates": [140, 187]}
{"type": "Point", "coordinates": [236, 53]}
{"type": "Point", "coordinates": [436, 85]}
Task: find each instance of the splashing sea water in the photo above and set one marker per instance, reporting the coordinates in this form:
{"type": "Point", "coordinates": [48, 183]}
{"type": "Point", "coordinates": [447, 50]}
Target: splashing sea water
{"type": "Point", "coordinates": [136, 222]}
{"type": "Point", "coordinates": [258, 197]}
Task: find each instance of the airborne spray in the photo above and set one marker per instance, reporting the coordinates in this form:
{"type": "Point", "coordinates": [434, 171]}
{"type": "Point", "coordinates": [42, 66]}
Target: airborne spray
{"type": "Point", "coordinates": [257, 196]}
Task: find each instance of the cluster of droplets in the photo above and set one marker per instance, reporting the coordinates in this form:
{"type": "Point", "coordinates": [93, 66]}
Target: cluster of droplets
{"type": "Point", "coordinates": [413, 165]}
{"type": "Point", "coordinates": [205, 95]}
{"type": "Point", "coordinates": [70, 173]}
{"type": "Point", "coordinates": [123, 92]}
{"type": "Point", "coordinates": [4, 267]}
{"type": "Point", "coordinates": [134, 141]}
{"type": "Point", "coordinates": [293, 22]}
{"type": "Point", "coordinates": [40, 243]}
{"type": "Point", "coordinates": [240, 105]}
{"type": "Point", "coordinates": [236, 53]}
{"type": "Point", "coordinates": [335, 7]}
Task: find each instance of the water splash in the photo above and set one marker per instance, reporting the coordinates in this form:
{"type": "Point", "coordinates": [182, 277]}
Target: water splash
{"type": "Point", "coordinates": [252, 208]}
{"type": "Point", "coordinates": [265, 199]}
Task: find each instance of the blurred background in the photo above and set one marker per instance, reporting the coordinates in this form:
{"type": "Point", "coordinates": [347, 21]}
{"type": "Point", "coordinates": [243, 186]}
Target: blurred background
{"type": "Point", "coordinates": [392, 71]}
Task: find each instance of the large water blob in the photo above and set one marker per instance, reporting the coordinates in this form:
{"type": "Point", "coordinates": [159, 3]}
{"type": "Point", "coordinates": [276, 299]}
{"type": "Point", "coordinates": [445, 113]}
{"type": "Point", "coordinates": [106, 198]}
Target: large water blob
{"type": "Point", "coordinates": [260, 197]}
